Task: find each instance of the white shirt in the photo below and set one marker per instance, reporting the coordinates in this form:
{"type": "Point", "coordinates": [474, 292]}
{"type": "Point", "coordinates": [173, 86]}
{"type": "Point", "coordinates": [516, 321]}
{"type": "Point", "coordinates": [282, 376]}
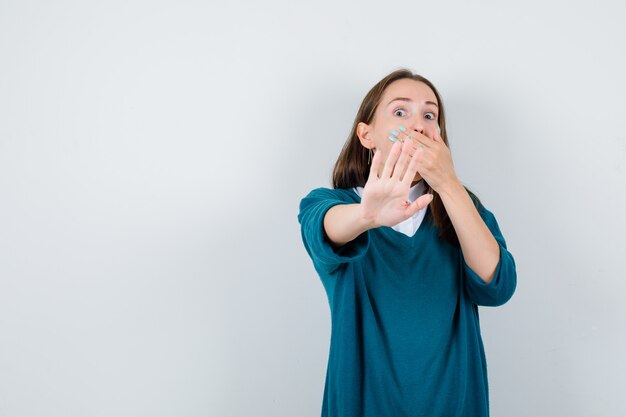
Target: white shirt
{"type": "Point", "coordinates": [410, 225]}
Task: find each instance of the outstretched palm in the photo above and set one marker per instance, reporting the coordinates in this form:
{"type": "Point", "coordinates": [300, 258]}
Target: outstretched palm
{"type": "Point", "coordinates": [384, 200]}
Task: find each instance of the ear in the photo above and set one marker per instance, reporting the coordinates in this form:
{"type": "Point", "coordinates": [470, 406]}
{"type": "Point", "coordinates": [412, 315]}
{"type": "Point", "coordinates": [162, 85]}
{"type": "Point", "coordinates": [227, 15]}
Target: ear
{"type": "Point", "coordinates": [364, 134]}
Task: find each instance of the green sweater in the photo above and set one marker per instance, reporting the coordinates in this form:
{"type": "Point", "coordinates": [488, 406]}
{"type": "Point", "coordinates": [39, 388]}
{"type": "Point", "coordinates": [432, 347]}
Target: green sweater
{"type": "Point", "coordinates": [405, 337]}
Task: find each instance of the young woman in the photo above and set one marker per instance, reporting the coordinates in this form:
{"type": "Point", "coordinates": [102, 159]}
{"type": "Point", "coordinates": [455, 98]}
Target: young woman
{"type": "Point", "coordinates": [406, 253]}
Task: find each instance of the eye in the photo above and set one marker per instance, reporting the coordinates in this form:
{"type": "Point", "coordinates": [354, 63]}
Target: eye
{"type": "Point", "coordinates": [433, 114]}
{"type": "Point", "coordinates": [399, 110]}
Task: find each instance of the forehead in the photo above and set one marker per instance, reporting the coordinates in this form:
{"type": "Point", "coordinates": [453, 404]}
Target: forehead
{"type": "Point", "coordinates": [415, 90]}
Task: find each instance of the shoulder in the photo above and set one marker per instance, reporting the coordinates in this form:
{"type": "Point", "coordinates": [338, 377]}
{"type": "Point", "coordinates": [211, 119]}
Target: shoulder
{"type": "Point", "coordinates": [477, 203]}
{"type": "Point", "coordinates": [488, 216]}
{"type": "Point", "coordinates": [485, 213]}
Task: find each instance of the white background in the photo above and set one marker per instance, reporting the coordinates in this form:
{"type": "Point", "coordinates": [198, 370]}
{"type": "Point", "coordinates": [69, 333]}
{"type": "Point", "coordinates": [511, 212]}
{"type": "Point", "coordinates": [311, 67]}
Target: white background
{"type": "Point", "coordinates": [153, 155]}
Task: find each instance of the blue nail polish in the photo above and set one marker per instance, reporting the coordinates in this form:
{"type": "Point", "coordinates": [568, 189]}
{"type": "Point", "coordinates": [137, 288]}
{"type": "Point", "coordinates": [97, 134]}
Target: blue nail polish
{"type": "Point", "coordinates": [393, 139]}
{"type": "Point", "coordinates": [395, 132]}
{"type": "Point", "coordinates": [402, 128]}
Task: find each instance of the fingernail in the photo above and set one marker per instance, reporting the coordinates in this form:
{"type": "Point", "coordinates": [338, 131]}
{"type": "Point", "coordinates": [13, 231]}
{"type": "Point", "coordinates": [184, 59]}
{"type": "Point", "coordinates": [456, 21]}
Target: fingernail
{"type": "Point", "coordinates": [395, 132]}
{"type": "Point", "coordinates": [393, 139]}
{"type": "Point", "coordinates": [402, 128]}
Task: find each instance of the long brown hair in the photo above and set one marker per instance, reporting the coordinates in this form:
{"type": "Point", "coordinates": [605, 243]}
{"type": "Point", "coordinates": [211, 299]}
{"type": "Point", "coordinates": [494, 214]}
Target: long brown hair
{"type": "Point", "coordinates": [352, 167]}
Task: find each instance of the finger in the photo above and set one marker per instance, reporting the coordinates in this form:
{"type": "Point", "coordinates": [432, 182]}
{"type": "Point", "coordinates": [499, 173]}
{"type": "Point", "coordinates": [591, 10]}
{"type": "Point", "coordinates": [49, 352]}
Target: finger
{"type": "Point", "coordinates": [418, 204]}
{"type": "Point", "coordinates": [424, 140]}
{"type": "Point", "coordinates": [403, 161]}
{"type": "Point", "coordinates": [407, 135]}
{"type": "Point", "coordinates": [412, 169]}
{"type": "Point", "coordinates": [417, 146]}
{"type": "Point", "coordinates": [394, 153]}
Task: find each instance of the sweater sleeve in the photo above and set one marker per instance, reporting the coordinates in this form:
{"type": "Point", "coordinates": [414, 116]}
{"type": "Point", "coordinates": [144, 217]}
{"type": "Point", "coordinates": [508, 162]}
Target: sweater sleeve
{"type": "Point", "coordinates": [501, 288]}
{"type": "Point", "coordinates": [326, 258]}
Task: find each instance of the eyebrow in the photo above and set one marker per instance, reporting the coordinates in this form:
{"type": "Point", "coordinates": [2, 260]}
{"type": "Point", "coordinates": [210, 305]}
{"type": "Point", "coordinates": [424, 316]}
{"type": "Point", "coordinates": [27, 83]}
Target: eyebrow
{"type": "Point", "coordinates": [408, 99]}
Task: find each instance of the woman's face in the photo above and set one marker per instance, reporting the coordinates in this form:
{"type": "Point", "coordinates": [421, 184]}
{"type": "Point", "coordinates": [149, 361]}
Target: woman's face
{"type": "Point", "coordinates": [407, 103]}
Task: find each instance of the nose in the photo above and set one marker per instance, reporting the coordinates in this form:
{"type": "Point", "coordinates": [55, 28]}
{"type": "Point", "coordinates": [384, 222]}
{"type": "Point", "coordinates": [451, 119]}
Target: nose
{"type": "Point", "coordinates": [421, 128]}
{"type": "Point", "coordinates": [418, 125]}
{"type": "Point", "coordinates": [418, 128]}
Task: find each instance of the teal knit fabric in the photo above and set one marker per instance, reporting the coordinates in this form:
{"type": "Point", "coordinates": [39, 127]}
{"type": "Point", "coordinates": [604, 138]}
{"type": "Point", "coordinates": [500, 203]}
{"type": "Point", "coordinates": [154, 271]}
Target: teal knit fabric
{"type": "Point", "coordinates": [405, 335]}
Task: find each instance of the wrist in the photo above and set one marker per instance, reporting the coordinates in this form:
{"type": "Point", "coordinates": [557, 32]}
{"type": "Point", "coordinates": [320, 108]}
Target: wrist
{"type": "Point", "coordinates": [366, 221]}
{"type": "Point", "coordinates": [451, 188]}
